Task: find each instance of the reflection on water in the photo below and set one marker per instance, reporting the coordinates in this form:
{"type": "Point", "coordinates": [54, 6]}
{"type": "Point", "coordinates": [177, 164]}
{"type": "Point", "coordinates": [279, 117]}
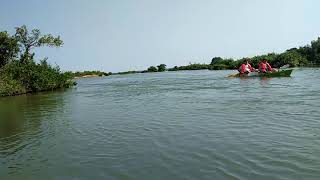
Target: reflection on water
{"type": "Point", "coordinates": [11, 119]}
{"type": "Point", "coordinates": [265, 81]}
{"type": "Point", "coordinates": [172, 125]}
{"type": "Point", "coordinates": [22, 116]}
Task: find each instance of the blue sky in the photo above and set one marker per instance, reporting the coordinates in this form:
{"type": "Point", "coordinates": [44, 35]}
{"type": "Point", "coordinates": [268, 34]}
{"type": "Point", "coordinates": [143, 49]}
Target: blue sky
{"type": "Point", "coordinates": [120, 35]}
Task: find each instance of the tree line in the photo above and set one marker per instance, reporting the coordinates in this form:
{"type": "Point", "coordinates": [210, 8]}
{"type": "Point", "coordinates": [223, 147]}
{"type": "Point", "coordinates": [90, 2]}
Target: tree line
{"type": "Point", "coordinates": [151, 69]}
{"type": "Point", "coordinates": [21, 73]}
{"type": "Point", "coordinates": [90, 73]}
{"type": "Point", "coordinates": [308, 55]}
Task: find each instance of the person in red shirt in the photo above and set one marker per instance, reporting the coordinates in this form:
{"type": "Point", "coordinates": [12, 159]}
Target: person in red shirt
{"type": "Point", "coordinates": [264, 66]}
{"type": "Point", "coordinates": [246, 67]}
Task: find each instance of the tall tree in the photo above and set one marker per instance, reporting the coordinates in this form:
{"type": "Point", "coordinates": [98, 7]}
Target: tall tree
{"type": "Point", "coordinates": [27, 41]}
{"type": "Point", "coordinates": [152, 69]}
{"type": "Point", "coordinates": [292, 58]}
{"type": "Point", "coordinates": [161, 67]}
{"type": "Point", "coordinates": [216, 60]}
{"type": "Point", "coordinates": [8, 48]}
{"type": "Point", "coordinates": [315, 46]}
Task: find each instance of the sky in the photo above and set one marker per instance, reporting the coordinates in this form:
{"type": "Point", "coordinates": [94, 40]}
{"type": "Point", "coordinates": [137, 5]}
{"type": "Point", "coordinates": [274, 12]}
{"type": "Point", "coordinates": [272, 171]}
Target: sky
{"type": "Point", "coordinates": [121, 35]}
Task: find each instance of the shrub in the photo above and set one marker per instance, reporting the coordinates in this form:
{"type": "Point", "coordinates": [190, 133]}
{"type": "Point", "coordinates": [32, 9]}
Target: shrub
{"type": "Point", "coordinates": [35, 77]}
{"type": "Point", "coordinates": [10, 87]}
{"type": "Point", "coordinates": [152, 69]}
{"type": "Point", "coordinates": [161, 67]}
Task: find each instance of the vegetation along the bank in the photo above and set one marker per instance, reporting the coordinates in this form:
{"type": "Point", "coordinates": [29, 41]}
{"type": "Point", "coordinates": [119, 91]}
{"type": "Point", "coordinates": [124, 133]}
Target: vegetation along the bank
{"type": "Point", "coordinates": [305, 56]}
{"type": "Point", "coordinates": [159, 68]}
{"type": "Point", "coordinates": [308, 55]}
{"type": "Point", "coordinates": [85, 74]}
{"type": "Point", "coordinates": [20, 73]}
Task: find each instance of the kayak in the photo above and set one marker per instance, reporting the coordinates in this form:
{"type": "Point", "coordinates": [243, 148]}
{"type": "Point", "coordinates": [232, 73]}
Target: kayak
{"type": "Point", "coordinates": [283, 73]}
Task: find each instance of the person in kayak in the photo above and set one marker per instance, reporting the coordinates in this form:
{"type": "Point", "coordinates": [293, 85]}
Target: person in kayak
{"type": "Point", "coordinates": [246, 67]}
{"type": "Point", "coordinates": [265, 67]}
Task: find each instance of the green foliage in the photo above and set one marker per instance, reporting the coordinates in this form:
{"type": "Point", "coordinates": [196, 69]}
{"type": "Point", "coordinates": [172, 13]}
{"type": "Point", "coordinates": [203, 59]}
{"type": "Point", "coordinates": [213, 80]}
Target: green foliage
{"type": "Point", "coordinates": [293, 58]}
{"type": "Point", "coordinates": [127, 72]}
{"type": "Point", "coordinates": [302, 56]}
{"type": "Point", "coordinates": [216, 60]}
{"type": "Point", "coordinates": [27, 41]}
{"type": "Point", "coordinates": [218, 63]}
{"type": "Point", "coordinates": [37, 77]}
{"type": "Point", "coordinates": [254, 61]}
{"type": "Point", "coordinates": [161, 67]}
{"type": "Point", "coordinates": [306, 55]}
{"type": "Point", "coordinates": [190, 67]}
{"type": "Point", "coordinates": [218, 67]}
{"type": "Point", "coordinates": [91, 73]}
{"type": "Point", "coordinates": [152, 69]}
{"type": "Point", "coordinates": [315, 51]}
{"type": "Point", "coordinates": [175, 68]}
{"type": "Point", "coordinates": [8, 48]}
{"type": "Point", "coordinates": [18, 76]}
{"type": "Point", "coordinates": [9, 86]}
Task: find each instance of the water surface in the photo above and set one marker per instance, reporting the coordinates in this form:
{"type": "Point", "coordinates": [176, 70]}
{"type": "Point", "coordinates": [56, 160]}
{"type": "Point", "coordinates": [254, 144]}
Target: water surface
{"type": "Point", "coordinates": [172, 125]}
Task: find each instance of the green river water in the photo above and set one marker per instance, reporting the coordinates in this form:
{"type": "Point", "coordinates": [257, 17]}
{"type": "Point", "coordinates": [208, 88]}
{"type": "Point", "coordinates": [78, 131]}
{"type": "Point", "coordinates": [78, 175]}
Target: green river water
{"type": "Point", "coordinates": [171, 125]}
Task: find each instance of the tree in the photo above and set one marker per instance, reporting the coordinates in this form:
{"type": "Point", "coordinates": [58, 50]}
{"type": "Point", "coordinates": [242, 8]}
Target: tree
{"type": "Point", "coordinates": [161, 67]}
{"type": "Point", "coordinates": [306, 51]}
{"type": "Point", "coordinates": [8, 48]}
{"type": "Point", "coordinates": [292, 58]}
{"type": "Point", "coordinates": [315, 48]}
{"type": "Point", "coordinates": [27, 41]}
{"type": "Point", "coordinates": [216, 60]}
{"type": "Point", "coordinates": [152, 69]}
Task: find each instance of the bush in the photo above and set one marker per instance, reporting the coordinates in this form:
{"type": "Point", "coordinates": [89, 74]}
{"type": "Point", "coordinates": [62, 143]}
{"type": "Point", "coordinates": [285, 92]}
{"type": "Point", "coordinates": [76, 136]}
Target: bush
{"type": "Point", "coordinates": [161, 67]}
{"type": "Point", "coordinates": [292, 58]}
{"type": "Point", "coordinates": [216, 60]}
{"type": "Point", "coordinates": [10, 87]}
{"type": "Point", "coordinates": [23, 75]}
{"type": "Point", "coordinates": [85, 73]}
{"type": "Point", "coordinates": [33, 77]}
{"type": "Point", "coordinates": [9, 48]}
{"type": "Point", "coordinates": [218, 63]}
{"type": "Point", "coordinates": [152, 69]}
{"type": "Point", "coordinates": [218, 67]}
{"type": "Point", "coordinates": [190, 67]}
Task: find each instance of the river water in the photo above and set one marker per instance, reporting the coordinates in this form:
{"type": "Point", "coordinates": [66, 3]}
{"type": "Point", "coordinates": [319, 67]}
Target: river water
{"type": "Point", "coordinates": [171, 125]}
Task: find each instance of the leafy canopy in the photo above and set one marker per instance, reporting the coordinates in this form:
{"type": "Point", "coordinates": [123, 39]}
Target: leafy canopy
{"type": "Point", "coordinates": [161, 67]}
{"type": "Point", "coordinates": [152, 69]}
{"type": "Point", "coordinates": [8, 48]}
{"type": "Point", "coordinates": [28, 40]}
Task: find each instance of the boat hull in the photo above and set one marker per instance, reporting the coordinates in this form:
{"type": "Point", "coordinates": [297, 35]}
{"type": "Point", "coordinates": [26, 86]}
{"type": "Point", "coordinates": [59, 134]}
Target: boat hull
{"type": "Point", "coordinates": [284, 73]}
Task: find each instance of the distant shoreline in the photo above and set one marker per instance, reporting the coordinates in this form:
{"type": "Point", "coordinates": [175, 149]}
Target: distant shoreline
{"type": "Point", "coordinates": [87, 76]}
{"type": "Point", "coordinates": [168, 70]}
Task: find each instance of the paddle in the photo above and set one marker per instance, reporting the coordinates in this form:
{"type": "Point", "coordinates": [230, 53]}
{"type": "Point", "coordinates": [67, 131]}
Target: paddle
{"type": "Point", "coordinates": [232, 75]}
